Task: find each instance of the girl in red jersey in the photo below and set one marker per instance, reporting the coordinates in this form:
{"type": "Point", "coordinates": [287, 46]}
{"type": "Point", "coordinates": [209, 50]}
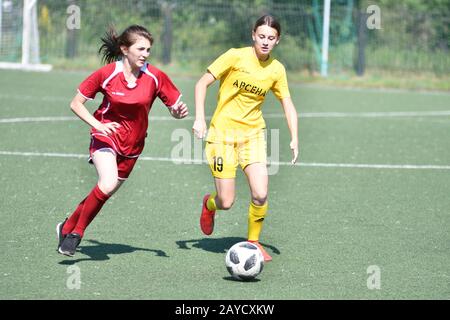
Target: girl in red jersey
{"type": "Point", "coordinates": [118, 127]}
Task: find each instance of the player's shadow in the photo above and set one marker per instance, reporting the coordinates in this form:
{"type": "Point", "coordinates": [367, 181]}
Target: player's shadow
{"type": "Point", "coordinates": [101, 251]}
{"type": "Point", "coordinates": [218, 245]}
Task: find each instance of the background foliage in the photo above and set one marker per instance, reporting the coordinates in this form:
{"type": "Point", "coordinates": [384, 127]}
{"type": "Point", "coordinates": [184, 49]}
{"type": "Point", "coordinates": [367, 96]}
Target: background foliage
{"type": "Point", "coordinates": [414, 35]}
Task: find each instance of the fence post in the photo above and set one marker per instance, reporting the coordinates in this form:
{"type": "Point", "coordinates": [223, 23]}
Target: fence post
{"type": "Point", "coordinates": [360, 64]}
{"type": "Point", "coordinates": [325, 38]}
{"type": "Point", "coordinates": [167, 32]}
{"type": "Point", "coordinates": [1, 14]}
{"type": "Point", "coordinates": [71, 41]}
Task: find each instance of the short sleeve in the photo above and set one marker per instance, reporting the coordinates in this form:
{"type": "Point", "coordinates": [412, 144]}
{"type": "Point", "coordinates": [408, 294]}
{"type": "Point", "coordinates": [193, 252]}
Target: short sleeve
{"type": "Point", "coordinates": [91, 85]}
{"type": "Point", "coordinates": [168, 92]}
{"type": "Point", "coordinates": [223, 63]}
{"type": "Point", "coordinates": [280, 87]}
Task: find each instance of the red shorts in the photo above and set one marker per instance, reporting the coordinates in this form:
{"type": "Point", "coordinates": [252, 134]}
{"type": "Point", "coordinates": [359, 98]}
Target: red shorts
{"type": "Point", "coordinates": [124, 164]}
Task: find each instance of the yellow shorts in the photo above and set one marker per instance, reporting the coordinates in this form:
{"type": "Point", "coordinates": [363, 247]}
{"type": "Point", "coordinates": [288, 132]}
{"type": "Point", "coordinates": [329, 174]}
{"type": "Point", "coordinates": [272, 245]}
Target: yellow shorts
{"type": "Point", "coordinates": [223, 158]}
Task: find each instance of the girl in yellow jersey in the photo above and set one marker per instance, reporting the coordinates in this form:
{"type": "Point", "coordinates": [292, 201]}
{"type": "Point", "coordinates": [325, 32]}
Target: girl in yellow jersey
{"type": "Point", "coordinates": [236, 134]}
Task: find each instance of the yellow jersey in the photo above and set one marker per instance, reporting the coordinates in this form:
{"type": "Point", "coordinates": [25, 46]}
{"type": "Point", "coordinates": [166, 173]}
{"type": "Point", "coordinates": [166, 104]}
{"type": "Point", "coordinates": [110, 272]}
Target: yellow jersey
{"type": "Point", "coordinates": [244, 84]}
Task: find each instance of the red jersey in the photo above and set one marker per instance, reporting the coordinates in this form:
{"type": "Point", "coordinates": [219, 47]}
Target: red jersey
{"type": "Point", "coordinates": [128, 106]}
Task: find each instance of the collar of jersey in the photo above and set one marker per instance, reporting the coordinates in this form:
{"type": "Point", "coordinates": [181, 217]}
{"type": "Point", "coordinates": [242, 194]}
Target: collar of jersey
{"type": "Point", "coordinates": [260, 62]}
{"type": "Point", "coordinates": [122, 75]}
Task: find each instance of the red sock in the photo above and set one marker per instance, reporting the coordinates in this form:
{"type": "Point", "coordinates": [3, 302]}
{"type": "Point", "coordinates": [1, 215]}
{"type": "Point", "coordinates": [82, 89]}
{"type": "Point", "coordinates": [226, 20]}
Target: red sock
{"type": "Point", "coordinates": [73, 219]}
{"type": "Point", "coordinates": [92, 205]}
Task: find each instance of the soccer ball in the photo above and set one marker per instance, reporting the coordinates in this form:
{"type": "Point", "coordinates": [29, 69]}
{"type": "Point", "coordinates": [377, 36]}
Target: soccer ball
{"type": "Point", "coordinates": [244, 261]}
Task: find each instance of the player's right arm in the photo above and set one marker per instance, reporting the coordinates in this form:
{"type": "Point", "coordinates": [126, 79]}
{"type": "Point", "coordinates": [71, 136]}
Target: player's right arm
{"type": "Point", "coordinates": [78, 107]}
{"type": "Point", "coordinates": [199, 128]}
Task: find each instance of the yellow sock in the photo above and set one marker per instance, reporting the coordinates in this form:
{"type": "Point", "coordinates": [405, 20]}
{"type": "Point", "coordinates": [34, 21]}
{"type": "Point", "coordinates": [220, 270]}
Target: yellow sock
{"type": "Point", "coordinates": [211, 203]}
{"type": "Point", "coordinates": [256, 216]}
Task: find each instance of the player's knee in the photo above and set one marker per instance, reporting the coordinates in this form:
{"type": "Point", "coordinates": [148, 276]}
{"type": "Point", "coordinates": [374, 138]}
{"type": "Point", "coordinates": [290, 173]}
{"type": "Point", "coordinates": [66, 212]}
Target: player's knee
{"type": "Point", "coordinates": [108, 186]}
{"type": "Point", "coordinates": [225, 203]}
{"type": "Point", "coordinates": [259, 198]}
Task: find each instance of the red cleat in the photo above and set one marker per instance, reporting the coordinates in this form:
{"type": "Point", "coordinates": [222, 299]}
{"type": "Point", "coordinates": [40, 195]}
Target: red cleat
{"type": "Point", "coordinates": [266, 256]}
{"type": "Point", "coordinates": [207, 218]}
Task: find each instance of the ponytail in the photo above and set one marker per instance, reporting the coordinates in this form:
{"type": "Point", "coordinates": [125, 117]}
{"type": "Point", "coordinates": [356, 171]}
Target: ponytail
{"type": "Point", "coordinates": [110, 49]}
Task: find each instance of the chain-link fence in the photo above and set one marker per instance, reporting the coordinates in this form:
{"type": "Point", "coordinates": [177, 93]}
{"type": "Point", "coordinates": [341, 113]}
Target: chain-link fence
{"type": "Point", "coordinates": [192, 33]}
{"type": "Point", "coordinates": [10, 30]}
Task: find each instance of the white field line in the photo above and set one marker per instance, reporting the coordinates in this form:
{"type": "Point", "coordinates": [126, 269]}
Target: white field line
{"type": "Point", "coordinates": [391, 114]}
{"type": "Point", "coordinates": [200, 161]}
{"type": "Point", "coordinates": [369, 90]}
{"type": "Point", "coordinates": [37, 119]}
{"type": "Point", "coordinates": [267, 116]}
{"type": "Point", "coordinates": [65, 100]}
{"type": "Point", "coordinates": [34, 98]}
{"type": "Point", "coordinates": [293, 85]}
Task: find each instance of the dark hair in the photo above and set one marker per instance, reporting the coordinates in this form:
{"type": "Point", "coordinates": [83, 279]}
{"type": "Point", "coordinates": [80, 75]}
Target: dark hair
{"type": "Point", "coordinates": [110, 49]}
{"type": "Point", "coordinates": [268, 20]}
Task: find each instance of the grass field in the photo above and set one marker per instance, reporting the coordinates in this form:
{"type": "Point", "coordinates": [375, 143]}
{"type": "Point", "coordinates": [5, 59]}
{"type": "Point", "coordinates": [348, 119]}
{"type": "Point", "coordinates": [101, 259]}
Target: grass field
{"type": "Point", "coordinates": [372, 189]}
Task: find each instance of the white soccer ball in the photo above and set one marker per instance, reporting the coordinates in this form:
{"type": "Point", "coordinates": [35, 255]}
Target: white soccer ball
{"type": "Point", "coordinates": [244, 260]}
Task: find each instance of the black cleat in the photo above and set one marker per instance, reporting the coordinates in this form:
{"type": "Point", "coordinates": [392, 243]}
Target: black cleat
{"type": "Point", "coordinates": [70, 244]}
{"type": "Point", "coordinates": [59, 234]}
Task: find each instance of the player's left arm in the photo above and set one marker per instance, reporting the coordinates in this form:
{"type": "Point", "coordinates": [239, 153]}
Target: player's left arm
{"type": "Point", "coordinates": [292, 122]}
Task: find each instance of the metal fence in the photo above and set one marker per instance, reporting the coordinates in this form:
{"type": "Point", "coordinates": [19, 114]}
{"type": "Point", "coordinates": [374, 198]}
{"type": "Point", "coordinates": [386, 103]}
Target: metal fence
{"type": "Point", "coordinates": [192, 33]}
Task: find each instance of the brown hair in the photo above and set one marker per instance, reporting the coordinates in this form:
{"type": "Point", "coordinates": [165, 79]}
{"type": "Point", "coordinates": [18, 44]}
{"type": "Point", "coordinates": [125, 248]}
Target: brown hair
{"type": "Point", "coordinates": [110, 49]}
{"type": "Point", "coordinates": [269, 21]}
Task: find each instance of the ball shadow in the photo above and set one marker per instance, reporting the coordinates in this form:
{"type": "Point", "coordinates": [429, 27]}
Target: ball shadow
{"type": "Point", "coordinates": [229, 278]}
